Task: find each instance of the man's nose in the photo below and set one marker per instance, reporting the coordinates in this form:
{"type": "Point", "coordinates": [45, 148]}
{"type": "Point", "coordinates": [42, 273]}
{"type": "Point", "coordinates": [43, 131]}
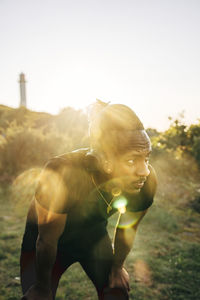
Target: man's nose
{"type": "Point", "coordinates": [143, 170]}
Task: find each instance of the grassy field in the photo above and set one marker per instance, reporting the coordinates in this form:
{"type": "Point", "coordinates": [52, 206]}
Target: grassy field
{"type": "Point", "coordinates": [164, 263]}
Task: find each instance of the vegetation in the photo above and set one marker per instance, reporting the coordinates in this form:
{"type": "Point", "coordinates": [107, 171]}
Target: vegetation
{"type": "Point", "coordinates": [28, 139]}
{"type": "Point", "coordinates": [179, 140]}
{"type": "Point", "coordinates": [164, 263]}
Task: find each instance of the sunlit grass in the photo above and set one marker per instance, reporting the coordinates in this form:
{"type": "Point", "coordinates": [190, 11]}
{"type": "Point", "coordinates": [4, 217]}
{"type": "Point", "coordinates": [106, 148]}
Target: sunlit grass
{"type": "Point", "coordinates": [163, 265]}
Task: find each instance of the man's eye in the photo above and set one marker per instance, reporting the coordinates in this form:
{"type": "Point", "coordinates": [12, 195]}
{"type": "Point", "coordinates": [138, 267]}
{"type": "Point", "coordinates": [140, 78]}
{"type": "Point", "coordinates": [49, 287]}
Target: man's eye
{"type": "Point", "coordinates": [130, 162]}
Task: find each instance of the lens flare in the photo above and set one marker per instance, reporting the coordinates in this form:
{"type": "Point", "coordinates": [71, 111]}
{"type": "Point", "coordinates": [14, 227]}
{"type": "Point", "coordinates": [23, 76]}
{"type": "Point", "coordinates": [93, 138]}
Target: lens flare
{"type": "Point", "coordinates": [122, 209]}
{"type": "Point", "coordinates": [130, 219]}
{"type": "Point", "coordinates": [116, 192]}
{"type": "Point", "coordinates": [51, 191]}
{"type": "Point", "coordinates": [120, 203]}
{"type": "Point", "coordinates": [23, 190]}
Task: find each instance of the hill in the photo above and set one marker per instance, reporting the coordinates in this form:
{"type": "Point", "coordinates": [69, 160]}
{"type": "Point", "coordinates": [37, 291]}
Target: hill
{"type": "Point", "coordinates": [29, 138]}
{"type": "Point", "coordinates": [164, 263]}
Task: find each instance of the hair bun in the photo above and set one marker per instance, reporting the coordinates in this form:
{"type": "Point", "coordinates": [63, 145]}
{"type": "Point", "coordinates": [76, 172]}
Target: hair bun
{"type": "Point", "coordinates": [95, 108]}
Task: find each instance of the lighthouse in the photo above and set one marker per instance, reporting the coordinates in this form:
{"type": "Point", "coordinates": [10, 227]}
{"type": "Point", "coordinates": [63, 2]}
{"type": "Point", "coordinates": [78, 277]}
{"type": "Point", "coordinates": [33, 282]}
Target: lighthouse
{"type": "Point", "coordinates": [22, 83]}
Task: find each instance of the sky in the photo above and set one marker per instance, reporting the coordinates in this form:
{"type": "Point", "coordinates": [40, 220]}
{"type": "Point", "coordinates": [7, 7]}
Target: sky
{"type": "Point", "coordinates": [142, 53]}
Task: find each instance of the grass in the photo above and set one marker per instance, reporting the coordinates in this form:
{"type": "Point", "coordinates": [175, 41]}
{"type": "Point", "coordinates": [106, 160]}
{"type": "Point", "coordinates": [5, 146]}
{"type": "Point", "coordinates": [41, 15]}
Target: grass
{"type": "Point", "coordinates": [163, 265]}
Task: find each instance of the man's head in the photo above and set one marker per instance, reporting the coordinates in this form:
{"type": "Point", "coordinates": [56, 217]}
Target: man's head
{"type": "Point", "coordinates": [118, 136]}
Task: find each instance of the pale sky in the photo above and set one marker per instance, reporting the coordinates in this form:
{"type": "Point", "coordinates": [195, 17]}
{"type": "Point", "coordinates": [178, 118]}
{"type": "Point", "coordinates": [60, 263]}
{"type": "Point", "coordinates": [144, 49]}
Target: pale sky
{"type": "Point", "coordinates": [142, 53]}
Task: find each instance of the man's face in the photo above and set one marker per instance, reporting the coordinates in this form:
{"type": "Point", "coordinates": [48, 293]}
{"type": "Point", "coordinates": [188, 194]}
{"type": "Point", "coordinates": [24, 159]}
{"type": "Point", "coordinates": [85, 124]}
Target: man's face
{"type": "Point", "coordinates": [131, 168]}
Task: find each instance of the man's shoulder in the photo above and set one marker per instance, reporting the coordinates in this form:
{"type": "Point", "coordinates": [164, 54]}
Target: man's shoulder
{"type": "Point", "coordinates": [67, 160]}
{"type": "Point", "coordinates": [62, 181]}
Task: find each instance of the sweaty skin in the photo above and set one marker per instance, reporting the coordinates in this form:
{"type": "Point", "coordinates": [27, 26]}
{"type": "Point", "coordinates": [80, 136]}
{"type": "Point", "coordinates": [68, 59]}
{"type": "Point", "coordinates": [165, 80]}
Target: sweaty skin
{"type": "Point", "coordinates": [139, 140]}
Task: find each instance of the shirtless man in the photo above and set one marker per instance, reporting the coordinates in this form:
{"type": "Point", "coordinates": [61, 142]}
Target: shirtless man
{"type": "Point", "coordinates": [76, 194]}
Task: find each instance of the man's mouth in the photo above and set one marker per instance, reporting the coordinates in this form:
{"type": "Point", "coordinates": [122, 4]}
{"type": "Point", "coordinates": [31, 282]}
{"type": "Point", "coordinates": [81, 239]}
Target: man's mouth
{"type": "Point", "coordinates": [137, 184]}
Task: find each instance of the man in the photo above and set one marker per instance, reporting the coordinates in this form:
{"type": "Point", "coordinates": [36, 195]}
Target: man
{"type": "Point", "coordinates": [76, 194]}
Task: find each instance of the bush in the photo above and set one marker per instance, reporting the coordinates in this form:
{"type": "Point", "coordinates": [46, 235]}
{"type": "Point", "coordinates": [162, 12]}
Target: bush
{"type": "Point", "coordinates": [25, 147]}
{"type": "Point", "coordinates": [28, 139]}
{"type": "Point", "coordinates": [179, 140]}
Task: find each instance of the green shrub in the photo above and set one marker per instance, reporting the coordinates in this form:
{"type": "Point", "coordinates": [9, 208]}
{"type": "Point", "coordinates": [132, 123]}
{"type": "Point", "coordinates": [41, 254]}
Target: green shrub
{"type": "Point", "coordinates": [26, 147]}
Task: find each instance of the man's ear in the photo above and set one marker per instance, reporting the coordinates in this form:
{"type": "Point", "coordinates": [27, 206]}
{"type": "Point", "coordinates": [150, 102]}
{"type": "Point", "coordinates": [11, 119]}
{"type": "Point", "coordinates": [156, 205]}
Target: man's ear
{"type": "Point", "coordinates": [105, 162]}
{"type": "Point", "coordinates": [107, 166]}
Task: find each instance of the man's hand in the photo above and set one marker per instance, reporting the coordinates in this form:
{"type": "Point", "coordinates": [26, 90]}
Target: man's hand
{"type": "Point", "coordinates": [119, 278]}
{"type": "Point", "coordinates": [36, 293]}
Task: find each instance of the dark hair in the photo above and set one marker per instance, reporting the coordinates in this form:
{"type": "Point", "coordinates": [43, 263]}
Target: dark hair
{"type": "Point", "coordinates": [112, 126]}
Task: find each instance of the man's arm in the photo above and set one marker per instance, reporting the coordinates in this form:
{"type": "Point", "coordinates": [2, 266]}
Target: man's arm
{"type": "Point", "coordinates": [51, 196]}
{"type": "Point", "coordinates": [51, 226]}
{"type": "Point", "coordinates": [123, 243]}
